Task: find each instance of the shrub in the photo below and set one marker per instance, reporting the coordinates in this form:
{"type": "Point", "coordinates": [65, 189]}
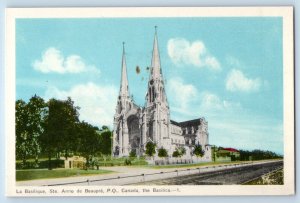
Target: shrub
{"type": "Point", "coordinates": [198, 151]}
{"type": "Point", "coordinates": [175, 153]}
{"type": "Point", "coordinates": [179, 152]}
{"type": "Point", "coordinates": [56, 163]}
{"type": "Point", "coordinates": [162, 152]}
{"type": "Point", "coordinates": [150, 148]}
{"type": "Point", "coordinates": [132, 154]}
{"type": "Point", "coordinates": [127, 162]}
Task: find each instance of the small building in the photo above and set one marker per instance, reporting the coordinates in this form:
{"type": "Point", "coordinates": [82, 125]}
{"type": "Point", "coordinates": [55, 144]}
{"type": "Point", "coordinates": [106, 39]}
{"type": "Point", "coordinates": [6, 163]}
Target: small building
{"type": "Point", "coordinates": [74, 162]}
{"type": "Point", "coordinates": [227, 154]}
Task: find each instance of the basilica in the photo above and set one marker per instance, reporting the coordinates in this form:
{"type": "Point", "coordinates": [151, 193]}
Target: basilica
{"type": "Point", "coordinates": [135, 126]}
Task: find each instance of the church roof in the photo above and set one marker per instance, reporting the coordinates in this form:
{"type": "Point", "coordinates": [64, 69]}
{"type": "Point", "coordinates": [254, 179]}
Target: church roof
{"type": "Point", "coordinates": [174, 122]}
{"type": "Point", "coordinates": [187, 123]}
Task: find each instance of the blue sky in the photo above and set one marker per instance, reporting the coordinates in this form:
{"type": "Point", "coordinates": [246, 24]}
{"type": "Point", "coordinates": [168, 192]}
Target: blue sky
{"type": "Point", "coordinates": [228, 70]}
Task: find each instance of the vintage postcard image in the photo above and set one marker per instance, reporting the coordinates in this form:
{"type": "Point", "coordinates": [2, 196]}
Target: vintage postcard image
{"type": "Point", "coordinates": [149, 101]}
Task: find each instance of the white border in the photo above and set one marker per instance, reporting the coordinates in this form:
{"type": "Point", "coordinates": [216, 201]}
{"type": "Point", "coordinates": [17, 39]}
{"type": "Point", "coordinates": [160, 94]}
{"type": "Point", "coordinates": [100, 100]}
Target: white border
{"type": "Point", "coordinates": [288, 62]}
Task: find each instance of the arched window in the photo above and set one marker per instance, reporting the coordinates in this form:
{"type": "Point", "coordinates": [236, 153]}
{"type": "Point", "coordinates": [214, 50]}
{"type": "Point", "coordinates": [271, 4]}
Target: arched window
{"type": "Point", "coordinates": [119, 107]}
{"type": "Point", "coordinates": [153, 95]}
{"type": "Point", "coordinates": [150, 95]}
{"type": "Point", "coordinates": [151, 130]}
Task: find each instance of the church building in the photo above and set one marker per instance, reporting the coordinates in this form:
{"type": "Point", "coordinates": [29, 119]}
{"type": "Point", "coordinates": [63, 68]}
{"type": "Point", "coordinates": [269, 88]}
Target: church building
{"type": "Point", "coordinates": [135, 126]}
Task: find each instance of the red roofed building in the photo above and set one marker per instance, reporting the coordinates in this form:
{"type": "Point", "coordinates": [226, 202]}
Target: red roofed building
{"type": "Point", "coordinates": [227, 154]}
{"type": "Point", "coordinates": [231, 149]}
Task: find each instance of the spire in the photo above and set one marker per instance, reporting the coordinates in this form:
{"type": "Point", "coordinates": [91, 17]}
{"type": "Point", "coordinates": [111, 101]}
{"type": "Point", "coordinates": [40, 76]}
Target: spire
{"type": "Point", "coordinates": [155, 63]}
{"type": "Point", "coordinates": [124, 91]}
{"type": "Point", "coordinates": [156, 89]}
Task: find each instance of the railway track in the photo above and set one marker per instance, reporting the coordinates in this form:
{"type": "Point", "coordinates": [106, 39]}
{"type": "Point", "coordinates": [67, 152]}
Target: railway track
{"type": "Point", "coordinates": [230, 176]}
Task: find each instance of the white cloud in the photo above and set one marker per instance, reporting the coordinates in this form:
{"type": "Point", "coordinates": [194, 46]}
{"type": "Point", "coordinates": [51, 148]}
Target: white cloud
{"type": "Point", "coordinates": [54, 61]}
{"type": "Point", "coordinates": [97, 103]}
{"type": "Point", "coordinates": [186, 100]}
{"type": "Point", "coordinates": [230, 125]}
{"type": "Point", "coordinates": [183, 52]}
{"type": "Point", "coordinates": [211, 102]}
{"type": "Point", "coordinates": [237, 81]}
{"type": "Point", "coordinates": [180, 93]}
{"type": "Point", "coordinates": [240, 130]}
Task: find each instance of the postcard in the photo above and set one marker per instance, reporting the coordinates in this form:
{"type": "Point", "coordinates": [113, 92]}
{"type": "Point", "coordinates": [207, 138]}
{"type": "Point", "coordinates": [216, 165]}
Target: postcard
{"type": "Point", "coordinates": [173, 101]}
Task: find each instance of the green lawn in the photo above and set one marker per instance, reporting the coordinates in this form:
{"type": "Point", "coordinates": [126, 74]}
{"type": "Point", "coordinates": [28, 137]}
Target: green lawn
{"type": "Point", "coordinates": [121, 162]}
{"type": "Point", "coordinates": [33, 174]}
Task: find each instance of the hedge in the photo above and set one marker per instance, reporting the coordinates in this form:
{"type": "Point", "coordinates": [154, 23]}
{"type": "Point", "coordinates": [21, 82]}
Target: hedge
{"type": "Point", "coordinates": [56, 163]}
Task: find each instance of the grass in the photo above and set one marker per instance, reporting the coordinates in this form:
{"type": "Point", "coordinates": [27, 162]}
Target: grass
{"type": "Point", "coordinates": [34, 174]}
{"type": "Point", "coordinates": [121, 162]}
{"type": "Point", "coordinates": [273, 178]}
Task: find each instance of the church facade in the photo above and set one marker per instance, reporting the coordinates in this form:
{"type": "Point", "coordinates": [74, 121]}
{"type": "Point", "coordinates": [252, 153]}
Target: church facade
{"type": "Point", "coordinates": [135, 126]}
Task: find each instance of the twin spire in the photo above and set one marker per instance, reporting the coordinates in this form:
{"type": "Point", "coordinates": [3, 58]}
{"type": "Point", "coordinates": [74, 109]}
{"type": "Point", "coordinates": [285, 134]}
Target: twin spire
{"type": "Point", "coordinates": [155, 67]}
{"type": "Point", "coordinates": [124, 90]}
{"type": "Point", "coordinates": [155, 63]}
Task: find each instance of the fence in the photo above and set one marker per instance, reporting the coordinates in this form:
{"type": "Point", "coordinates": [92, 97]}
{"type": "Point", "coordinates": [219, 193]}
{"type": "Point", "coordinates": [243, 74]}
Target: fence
{"type": "Point", "coordinates": [140, 178]}
{"type": "Point", "coordinates": [169, 161]}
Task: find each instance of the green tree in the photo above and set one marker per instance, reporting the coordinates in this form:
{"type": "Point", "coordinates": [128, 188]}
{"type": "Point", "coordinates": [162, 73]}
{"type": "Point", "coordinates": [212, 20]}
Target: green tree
{"type": "Point", "coordinates": [30, 119]}
{"type": "Point", "coordinates": [198, 151]}
{"type": "Point", "coordinates": [150, 149]}
{"type": "Point", "coordinates": [180, 151]}
{"type": "Point", "coordinates": [162, 152]}
{"type": "Point", "coordinates": [69, 134]}
{"type": "Point", "coordinates": [60, 128]}
{"type": "Point", "coordinates": [104, 127]}
{"type": "Point", "coordinates": [258, 154]}
{"type": "Point", "coordinates": [22, 142]}
{"type": "Point", "coordinates": [89, 144]}
{"type": "Point", "coordinates": [105, 141]}
{"type": "Point", "coordinates": [36, 123]}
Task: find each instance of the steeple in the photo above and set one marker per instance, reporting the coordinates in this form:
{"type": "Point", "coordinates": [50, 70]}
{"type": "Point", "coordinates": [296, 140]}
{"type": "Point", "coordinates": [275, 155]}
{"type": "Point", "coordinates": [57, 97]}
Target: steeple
{"type": "Point", "coordinates": [124, 90]}
{"type": "Point", "coordinates": [156, 89]}
{"type": "Point", "coordinates": [155, 63]}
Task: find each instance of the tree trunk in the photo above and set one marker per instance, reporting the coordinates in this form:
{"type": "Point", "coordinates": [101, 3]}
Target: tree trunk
{"type": "Point", "coordinates": [24, 162]}
{"type": "Point", "coordinates": [36, 160]}
{"type": "Point", "coordinates": [66, 154]}
{"type": "Point", "coordinates": [87, 163]}
{"type": "Point", "coordinates": [49, 162]}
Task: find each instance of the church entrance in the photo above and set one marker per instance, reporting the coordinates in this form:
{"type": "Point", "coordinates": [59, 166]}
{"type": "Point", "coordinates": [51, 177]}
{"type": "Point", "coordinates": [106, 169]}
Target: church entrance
{"type": "Point", "coordinates": [134, 133]}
